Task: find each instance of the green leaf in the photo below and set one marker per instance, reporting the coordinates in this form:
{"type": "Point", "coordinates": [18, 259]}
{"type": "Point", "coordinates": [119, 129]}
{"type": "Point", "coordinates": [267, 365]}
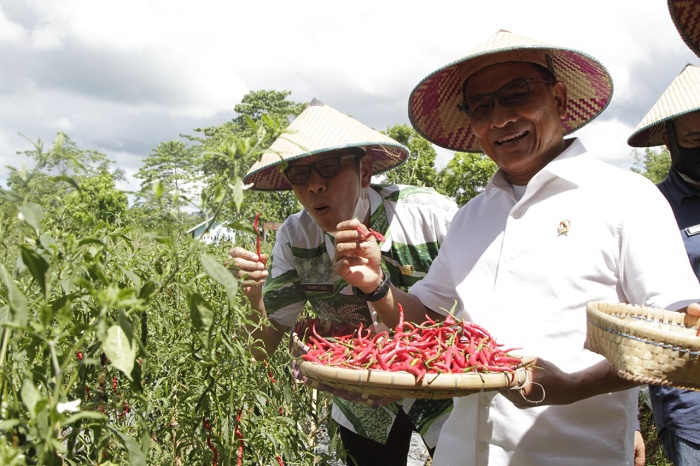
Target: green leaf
{"type": "Point", "coordinates": [159, 238]}
{"type": "Point", "coordinates": [30, 396]}
{"type": "Point", "coordinates": [87, 414]}
{"type": "Point", "coordinates": [10, 195]}
{"type": "Point", "coordinates": [85, 241]}
{"type": "Point", "coordinates": [202, 316]}
{"type": "Point", "coordinates": [158, 189]}
{"type": "Point", "coordinates": [9, 424]}
{"type": "Point", "coordinates": [17, 300]}
{"type": "Point", "coordinates": [120, 349]}
{"type": "Point", "coordinates": [237, 193]}
{"type": "Point", "coordinates": [31, 214]}
{"type": "Point", "coordinates": [67, 179]}
{"type": "Point", "coordinates": [221, 275]}
{"type": "Point", "coordinates": [136, 456]}
{"type": "Point", "coordinates": [36, 265]}
{"type": "Point", "coordinates": [147, 290]}
{"type": "Point", "coordinates": [242, 225]}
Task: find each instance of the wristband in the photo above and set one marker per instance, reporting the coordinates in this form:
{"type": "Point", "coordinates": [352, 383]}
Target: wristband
{"type": "Point", "coordinates": [378, 294]}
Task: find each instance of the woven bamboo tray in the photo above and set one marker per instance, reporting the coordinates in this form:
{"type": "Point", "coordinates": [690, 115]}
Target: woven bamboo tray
{"type": "Point", "coordinates": [646, 345]}
{"type": "Point", "coordinates": [379, 387]}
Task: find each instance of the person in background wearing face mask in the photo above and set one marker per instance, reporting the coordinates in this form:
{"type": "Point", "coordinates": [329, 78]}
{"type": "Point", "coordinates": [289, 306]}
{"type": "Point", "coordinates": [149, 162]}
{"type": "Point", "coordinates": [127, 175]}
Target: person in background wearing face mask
{"type": "Point", "coordinates": [330, 160]}
{"type": "Point", "coordinates": [675, 121]}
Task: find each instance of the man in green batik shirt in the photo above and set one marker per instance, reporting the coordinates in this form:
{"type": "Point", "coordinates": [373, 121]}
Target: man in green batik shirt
{"type": "Point", "coordinates": [331, 159]}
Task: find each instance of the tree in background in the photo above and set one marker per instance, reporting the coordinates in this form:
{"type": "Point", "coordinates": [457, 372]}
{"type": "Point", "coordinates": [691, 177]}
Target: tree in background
{"type": "Point", "coordinates": [98, 200]}
{"type": "Point", "coordinates": [169, 178]}
{"type": "Point", "coordinates": [466, 175]}
{"type": "Point", "coordinates": [73, 186]}
{"type": "Point", "coordinates": [653, 163]}
{"type": "Point", "coordinates": [419, 169]}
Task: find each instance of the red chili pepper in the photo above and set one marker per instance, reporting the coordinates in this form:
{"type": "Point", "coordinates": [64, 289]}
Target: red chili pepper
{"type": "Point", "coordinates": [370, 232]}
{"type": "Point", "coordinates": [239, 453]}
{"type": "Point", "coordinates": [279, 460]}
{"type": "Point", "coordinates": [377, 235]}
{"type": "Point", "coordinates": [79, 355]}
{"type": "Point", "coordinates": [257, 232]}
{"type": "Point", "coordinates": [114, 383]}
{"type": "Point", "coordinates": [209, 444]}
{"type": "Point", "coordinates": [269, 373]}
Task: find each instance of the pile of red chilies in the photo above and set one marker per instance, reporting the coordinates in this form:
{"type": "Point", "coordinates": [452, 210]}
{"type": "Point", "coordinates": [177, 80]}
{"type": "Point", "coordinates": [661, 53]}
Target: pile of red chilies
{"type": "Point", "coordinates": [451, 346]}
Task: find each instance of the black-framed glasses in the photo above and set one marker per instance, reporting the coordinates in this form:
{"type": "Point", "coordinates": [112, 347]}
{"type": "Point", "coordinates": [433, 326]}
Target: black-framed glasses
{"type": "Point", "coordinates": [480, 106]}
{"type": "Point", "coordinates": [327, 168]}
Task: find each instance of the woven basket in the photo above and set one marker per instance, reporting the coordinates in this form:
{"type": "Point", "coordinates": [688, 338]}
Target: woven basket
{"type": "Point", "coordinates": [646, 345]}
{"type": "Point", "coordinates": [378, 387]}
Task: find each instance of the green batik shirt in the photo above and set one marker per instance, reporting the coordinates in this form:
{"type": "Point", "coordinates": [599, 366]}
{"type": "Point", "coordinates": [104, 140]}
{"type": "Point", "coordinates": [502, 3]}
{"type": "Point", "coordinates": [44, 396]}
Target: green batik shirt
{"type": "Point", "coordinates": [414, 221]}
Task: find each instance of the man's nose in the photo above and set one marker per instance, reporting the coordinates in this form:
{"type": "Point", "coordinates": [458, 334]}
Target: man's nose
{"type": "Point", "coordinates": [316, 183]}
{"type": "Point", "coordinates": [501, 115]}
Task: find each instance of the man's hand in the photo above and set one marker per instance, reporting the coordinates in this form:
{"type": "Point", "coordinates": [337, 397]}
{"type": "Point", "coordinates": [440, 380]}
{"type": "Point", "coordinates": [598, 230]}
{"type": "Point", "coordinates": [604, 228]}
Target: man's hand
{"type": "Point", "coordinates": [640, 450]}
{"type": "Point", "coordinates": [546, 384]}
{"type": "Point", "coordinates": [251, 271]}
{"type": "Point", "coordinates": [357, 256]}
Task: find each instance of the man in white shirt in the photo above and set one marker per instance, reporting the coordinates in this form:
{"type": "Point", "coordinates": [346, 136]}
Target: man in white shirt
{"type": "Point", "coordinates": [553, 230]}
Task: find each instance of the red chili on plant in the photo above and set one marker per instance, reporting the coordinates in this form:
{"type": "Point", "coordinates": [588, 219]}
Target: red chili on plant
{"type": "Point", "coordinates": [209, 444]}
{"type": "Point", "coordinates": [257, 232]}
{"type": "Point", "coordinates": [239, 435]}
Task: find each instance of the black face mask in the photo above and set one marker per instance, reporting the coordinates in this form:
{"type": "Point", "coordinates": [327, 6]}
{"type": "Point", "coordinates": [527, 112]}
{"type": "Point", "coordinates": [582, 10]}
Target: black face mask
{"type": "Point", "coordinates": [683, 160]}
{"type": "Point", "coordinates": [689, 162]}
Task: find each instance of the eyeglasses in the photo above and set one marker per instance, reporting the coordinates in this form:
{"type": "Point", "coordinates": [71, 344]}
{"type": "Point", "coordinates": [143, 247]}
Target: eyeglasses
{"type": "Point", "coordinates": [509, 95]}
{"type": "Point", "coordinates": [327, 168]}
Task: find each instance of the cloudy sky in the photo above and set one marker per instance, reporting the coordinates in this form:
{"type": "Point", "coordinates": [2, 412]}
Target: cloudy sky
{"type": "Point", "coordinates": [122, 76]}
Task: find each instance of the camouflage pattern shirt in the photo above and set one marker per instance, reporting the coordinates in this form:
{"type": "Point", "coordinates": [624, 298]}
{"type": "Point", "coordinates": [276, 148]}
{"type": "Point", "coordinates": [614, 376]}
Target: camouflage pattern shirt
{"type": "Point", "coordinates": [414, 221]}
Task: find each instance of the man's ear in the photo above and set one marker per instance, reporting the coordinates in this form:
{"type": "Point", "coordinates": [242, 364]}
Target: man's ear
{"type": "Point", "coordinates": [560, 93]}
{"type": "Point", "coordinates": [366, 165]}
{"type": "Point", "coordinates": [664, 137]}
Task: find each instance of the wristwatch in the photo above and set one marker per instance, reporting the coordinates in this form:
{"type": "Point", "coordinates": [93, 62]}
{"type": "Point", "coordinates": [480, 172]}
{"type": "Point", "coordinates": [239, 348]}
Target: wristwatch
{"type": "Point", "coordinates": [378, 294]}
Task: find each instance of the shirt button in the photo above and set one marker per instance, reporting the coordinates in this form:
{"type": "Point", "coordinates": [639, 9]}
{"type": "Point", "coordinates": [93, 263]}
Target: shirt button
{"type": "Point", "coordinates": [517, 214]}
{"type": "Point", "coordinates": [484, 400]}
{"type": "Point", "coordinates": [482, 447]}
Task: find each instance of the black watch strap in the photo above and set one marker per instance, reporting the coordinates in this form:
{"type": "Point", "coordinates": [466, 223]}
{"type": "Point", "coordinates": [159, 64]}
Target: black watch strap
{"type": "Point", "coordinates": [378, 294]}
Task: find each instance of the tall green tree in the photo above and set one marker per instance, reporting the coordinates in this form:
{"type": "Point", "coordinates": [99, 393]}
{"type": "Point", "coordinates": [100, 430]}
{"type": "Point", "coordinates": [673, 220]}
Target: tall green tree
{"type": "Point", "coordinates": [168, 181]}
{"type": "Point", "coordinates": [466, 175]}
{"type": "Point", "coordinates": [653, 163]}
{"type": "Point", "coordinates": [419, 169]}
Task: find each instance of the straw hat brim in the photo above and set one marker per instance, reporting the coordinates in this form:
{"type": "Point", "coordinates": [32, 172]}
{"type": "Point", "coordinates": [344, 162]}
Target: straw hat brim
{"type": "Point", "coordinates": [432, 106]}
{"type": "Point", "coordinates": [318, 129]}
{"type": "Point", "coordinates": [680, 98]}
{"type": "Point", "coordinates": [686, 17]}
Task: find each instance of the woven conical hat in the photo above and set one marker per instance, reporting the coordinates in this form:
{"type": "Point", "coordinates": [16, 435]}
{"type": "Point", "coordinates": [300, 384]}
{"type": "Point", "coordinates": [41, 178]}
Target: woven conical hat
{"type": "Point", "coordinates": [432, 106]}
{"type": "Point", "coordinates": [321, 128]}
{"type": "Point", "coordinates": [681, 97]}
{"type": "Point", "coordinates": [686, 16]}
